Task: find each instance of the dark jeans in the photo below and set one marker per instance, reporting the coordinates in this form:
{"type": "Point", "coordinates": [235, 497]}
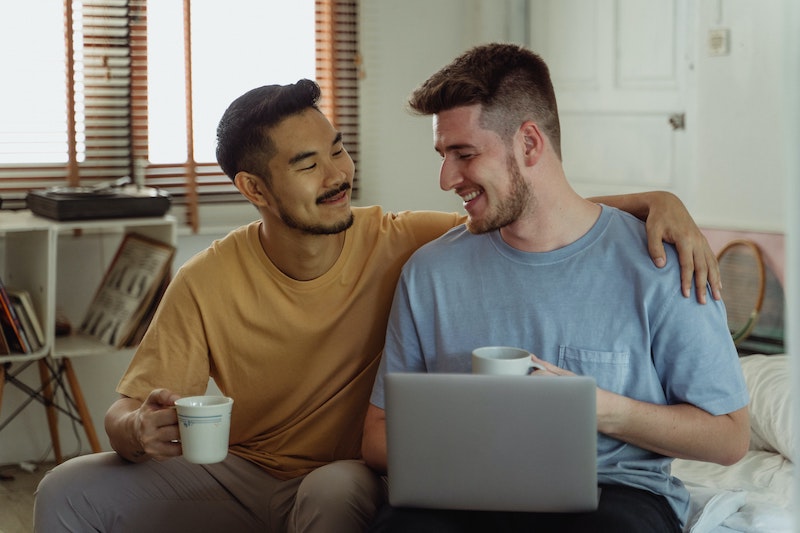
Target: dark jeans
{"type": "Point", "coordinates": [621, 510]}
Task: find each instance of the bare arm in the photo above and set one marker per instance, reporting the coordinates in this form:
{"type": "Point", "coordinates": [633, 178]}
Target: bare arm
{"type": "Point", "coordinates": [681, 430]}
{"type": "Point", "coordinates": [373, 443]}
{"type": "Point", "coordinates": [142, 431]}
{"type": "Point", "coordinates": [668, 220]}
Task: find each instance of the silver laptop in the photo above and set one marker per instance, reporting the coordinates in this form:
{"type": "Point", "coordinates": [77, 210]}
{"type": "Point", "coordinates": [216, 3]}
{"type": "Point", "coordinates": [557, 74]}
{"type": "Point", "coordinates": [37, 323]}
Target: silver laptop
{"type": "Point", "coordinates": [492, 443]}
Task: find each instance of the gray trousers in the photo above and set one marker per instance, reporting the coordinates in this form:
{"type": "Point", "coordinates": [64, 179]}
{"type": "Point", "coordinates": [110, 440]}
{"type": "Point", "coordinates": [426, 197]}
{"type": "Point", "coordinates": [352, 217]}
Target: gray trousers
{"type": "Point", "coordinates": [103, 492]}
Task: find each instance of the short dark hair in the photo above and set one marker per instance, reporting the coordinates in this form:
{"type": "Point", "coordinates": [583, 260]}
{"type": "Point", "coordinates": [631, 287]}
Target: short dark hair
{"type": "Point", "coordinates": [511, 83]}
{"type": "Point", "coordinates": [243, 142]}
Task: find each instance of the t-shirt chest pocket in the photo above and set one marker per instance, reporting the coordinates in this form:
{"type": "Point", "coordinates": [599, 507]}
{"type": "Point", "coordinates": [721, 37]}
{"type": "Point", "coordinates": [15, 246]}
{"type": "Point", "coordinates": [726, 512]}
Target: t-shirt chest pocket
{"type": "Point", "coordinates": [611, 370]}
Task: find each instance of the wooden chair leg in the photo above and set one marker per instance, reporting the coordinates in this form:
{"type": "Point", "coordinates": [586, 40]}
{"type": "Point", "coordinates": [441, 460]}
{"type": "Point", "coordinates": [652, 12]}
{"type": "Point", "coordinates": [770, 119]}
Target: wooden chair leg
{"type": "Point", "coordinates": [52, 417]}
{"type": "Point", "coordinates": [80, 403]}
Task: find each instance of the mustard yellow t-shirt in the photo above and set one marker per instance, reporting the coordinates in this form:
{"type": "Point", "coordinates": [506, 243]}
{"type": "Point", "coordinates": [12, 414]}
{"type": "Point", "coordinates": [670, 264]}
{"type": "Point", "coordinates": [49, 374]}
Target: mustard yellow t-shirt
{"type": "Point", "coordinates": [298, 357]}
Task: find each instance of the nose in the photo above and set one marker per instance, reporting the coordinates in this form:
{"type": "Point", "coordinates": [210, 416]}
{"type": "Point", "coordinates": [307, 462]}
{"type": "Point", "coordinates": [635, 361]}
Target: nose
{"type": "Point", "coordinates": [449, 175]}
{"type": "Point", "coordinates": [339, 170]}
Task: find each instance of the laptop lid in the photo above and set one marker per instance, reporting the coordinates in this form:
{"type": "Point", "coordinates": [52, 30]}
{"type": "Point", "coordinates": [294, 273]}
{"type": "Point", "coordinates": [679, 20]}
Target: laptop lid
{"type": "Point", "coordinates": [500, 443]}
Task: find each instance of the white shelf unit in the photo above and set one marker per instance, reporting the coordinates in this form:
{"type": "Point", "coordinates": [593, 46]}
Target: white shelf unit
{"type": "Point", "coordinates": [28, 263]}
{"type": "Point", "coordinates": [61, 264]}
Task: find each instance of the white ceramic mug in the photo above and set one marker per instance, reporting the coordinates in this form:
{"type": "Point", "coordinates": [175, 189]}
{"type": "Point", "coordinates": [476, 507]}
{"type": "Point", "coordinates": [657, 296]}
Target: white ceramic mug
{"type": "Point", "coordinates": [205, 424]}
{"type": "Point", "coordinates": [502, 360]}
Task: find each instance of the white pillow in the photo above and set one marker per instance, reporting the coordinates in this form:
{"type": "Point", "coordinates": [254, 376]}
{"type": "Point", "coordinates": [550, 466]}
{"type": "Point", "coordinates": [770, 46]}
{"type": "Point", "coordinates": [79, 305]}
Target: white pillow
{"type": "Point", "coordinates": [769, 381]}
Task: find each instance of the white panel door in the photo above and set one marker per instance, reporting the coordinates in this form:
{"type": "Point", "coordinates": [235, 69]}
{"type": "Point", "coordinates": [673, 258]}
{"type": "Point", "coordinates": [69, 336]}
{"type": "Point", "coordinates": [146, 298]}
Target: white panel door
{"type": "Point", "coordinates": [620, 70]}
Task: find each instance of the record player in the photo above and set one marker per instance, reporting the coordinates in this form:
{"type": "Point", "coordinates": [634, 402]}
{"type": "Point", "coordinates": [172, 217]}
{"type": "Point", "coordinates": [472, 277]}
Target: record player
{"type": "Point", "coordinates": [117, 199]}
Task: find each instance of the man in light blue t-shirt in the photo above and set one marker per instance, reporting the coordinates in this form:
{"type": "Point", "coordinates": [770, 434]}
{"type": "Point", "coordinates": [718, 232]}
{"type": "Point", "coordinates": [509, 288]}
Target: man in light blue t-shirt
{"type": "Point", "coordinates": [539, 267]}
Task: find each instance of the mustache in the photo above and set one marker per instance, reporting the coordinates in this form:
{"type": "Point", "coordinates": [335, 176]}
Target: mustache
{"type": "Point", "coordinates": [330, 194]}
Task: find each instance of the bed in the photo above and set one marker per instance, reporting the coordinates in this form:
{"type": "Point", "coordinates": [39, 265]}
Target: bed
{"type": "Point", "coordinates": [756, 494]}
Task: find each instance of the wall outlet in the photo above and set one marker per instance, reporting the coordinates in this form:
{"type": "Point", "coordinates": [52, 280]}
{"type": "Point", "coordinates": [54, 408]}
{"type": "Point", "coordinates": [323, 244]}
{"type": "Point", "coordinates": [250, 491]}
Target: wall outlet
{"type": "Point", "coordinates": [719, 42]}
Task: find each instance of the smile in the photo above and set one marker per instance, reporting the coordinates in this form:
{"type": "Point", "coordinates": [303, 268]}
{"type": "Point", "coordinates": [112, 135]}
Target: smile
{"type": "Point", "coordinates": [334, 196]}
{"type": "Point", "coordinates": [332, 199]}
{"type": "Point", "coordinates": [471, 195]}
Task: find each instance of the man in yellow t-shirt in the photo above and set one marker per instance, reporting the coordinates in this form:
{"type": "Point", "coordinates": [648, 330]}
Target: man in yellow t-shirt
{"type": "Point", "coordinates": [287, 315]}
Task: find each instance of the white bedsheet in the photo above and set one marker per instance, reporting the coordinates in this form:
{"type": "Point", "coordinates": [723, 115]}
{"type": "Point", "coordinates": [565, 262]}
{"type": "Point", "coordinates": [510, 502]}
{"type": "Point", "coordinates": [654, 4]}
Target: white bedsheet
{"type": "Point", "coordinates": [754, 495]}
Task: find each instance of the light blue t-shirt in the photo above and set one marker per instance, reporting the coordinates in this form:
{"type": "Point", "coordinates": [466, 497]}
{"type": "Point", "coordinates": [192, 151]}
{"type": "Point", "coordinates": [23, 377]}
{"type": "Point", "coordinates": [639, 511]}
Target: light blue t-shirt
{"type": "Point", "coordinates": [596, 307]}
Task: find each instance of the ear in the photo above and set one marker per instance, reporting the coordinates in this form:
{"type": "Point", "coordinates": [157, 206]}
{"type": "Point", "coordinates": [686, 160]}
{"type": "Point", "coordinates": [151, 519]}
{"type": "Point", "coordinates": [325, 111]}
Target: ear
{"type": "Point", "coordinates": [533, 142]}
{"type": "Point", "coordinates": [252, 187]}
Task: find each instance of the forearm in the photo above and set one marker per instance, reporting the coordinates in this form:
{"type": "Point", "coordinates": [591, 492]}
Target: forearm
{"type": "Point", "coordinates": [637, 204]}
{"type": "Point", "coordinates": [373, 442]}
{"type": "Point", "coordinates": [681, 431]}
{"type": "Point", "coordinates": [120, 426]}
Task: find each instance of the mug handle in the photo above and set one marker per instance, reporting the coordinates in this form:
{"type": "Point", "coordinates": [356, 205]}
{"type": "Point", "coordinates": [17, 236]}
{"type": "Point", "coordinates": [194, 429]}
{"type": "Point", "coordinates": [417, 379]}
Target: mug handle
{"type": "Point", "coordinates": [534, 367]}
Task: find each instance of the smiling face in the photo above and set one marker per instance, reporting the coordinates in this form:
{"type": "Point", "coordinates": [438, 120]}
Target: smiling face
{"type": "Point", "coordinates": [311, 175]}
{"type": "Point", "coordinates": [479, 166]}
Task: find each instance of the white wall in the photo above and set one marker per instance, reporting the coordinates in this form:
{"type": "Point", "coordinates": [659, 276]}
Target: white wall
{"type": "Point", "coordinates": [739, 162]}
{"type": "Point", "coordinates": [741, 99]}
{"type": "Point", "coordinates": [402, 43]}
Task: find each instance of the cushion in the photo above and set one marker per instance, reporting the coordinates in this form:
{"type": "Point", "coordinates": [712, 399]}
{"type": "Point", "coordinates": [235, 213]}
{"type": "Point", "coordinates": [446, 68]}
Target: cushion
{"type": "Point", "coordinates": [769, 382]}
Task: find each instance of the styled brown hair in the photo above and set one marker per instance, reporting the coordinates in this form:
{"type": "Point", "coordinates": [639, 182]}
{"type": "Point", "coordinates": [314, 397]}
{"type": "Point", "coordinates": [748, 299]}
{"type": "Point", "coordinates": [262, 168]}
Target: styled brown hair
{"type": "Point", "coordinates": [511, 84]}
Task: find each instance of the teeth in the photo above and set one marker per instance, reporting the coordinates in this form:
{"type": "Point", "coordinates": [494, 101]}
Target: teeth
{"type": "Point", "coordinates": [470, 196]}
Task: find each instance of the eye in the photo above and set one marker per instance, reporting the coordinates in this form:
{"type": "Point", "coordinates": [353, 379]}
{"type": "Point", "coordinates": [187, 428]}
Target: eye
{"type": "Point", "coordinates": [310, 167]}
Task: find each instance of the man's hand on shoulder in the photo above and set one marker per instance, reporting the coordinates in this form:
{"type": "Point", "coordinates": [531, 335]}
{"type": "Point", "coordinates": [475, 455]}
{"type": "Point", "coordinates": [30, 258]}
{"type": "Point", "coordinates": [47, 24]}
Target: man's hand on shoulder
{"type": "Point", "coordinates": [670, 221]}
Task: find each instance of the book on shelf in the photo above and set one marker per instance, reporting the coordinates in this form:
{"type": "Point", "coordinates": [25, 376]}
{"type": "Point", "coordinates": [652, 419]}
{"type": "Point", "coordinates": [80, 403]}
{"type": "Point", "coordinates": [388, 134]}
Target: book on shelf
{"type": "Point", "coordinates": [128, 290]}
{"type": "Point", "coordinates": [23, 304]}
{"type": "Point", "coordinates": [27, 326]}
{"type": "Point", "coordinates": [12, 327]}
{"type": "Point", "coordinates": [5, 349]}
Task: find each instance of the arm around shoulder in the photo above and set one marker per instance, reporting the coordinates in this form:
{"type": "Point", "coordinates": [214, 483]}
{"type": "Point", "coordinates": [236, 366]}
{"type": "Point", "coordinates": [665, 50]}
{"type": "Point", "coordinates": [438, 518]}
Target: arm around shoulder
{"type": "Point", "coordinates": [637, 204]}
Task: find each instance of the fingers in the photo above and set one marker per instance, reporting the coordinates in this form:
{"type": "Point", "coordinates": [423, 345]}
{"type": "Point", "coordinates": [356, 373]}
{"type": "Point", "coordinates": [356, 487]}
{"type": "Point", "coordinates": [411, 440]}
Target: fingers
{"type": "Point", "coordinates": [655, 244]}
{"type": "Point", "coordinates": [700, 280]}
{"type": "Point", "coordinates": [162, 442]}
{"type": "Point", "coordinates": [549, 368]}
{"type": "Point", "coordinates": [687, 264]}
{"type": "Point", "coordinates": [541, 362]}
{"type": "Point", "coordinates": [715, 279]}
{"type": "Point", "coordinates": [157, 425]}
{"type": "Point", "coordinates": [699, 267]}
{"type": "Point", "coordinates": [699, 270]}
{"type": "Point", "coordinates": [700, 263]}
{"type": "Point", "coordinates": [669, 221]}
{"type": "Point", "coordinates": [161, 398]}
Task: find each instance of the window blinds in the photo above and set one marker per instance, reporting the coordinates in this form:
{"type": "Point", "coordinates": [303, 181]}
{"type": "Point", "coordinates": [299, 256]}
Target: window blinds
{"type": "Point", "coordinates": [106, 103]}
{"type": "Point", "coordinates": [338, 69]}
{"type": "Point", "coordinates": [96, 101]}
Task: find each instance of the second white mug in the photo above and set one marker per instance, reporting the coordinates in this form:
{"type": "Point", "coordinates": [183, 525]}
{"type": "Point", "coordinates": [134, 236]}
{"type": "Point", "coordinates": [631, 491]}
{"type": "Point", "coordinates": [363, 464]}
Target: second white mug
{"type": "Point", "coordinates": [204, 423]}
{"type": "Point", "coordinates": [502, 360]}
